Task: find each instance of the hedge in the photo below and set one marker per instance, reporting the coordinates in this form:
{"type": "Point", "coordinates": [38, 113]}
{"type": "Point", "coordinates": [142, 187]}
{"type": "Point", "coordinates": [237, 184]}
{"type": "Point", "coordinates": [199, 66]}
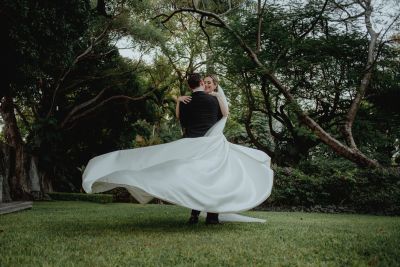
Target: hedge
{"type": "Point", "coordinates": [360, 190]}
{"type": "Point", "coordinates": [99, 198]}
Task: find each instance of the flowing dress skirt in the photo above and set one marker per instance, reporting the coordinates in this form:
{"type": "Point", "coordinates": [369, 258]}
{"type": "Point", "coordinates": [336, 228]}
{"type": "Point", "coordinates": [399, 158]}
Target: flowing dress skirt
{"type": "Point", "coordinates": [207, 173]}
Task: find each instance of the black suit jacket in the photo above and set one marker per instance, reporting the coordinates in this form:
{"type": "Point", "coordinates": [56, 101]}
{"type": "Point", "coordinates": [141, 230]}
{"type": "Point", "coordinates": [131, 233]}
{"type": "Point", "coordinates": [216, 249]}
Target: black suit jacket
{"type": "Point", "coordinates": [197, 117]}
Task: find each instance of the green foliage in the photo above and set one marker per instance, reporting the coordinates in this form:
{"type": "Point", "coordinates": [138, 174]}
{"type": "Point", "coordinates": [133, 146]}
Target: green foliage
{"type": "Point", "coordinates": [42, 33]}
{"type": "Point", "coordinates": [336, 182]}
{"type": "Point", "coordinates": [146, 134]}
{"type": "Point", "coordinates": [235, 132]}
{"type": "Point", "coordinates": [49, 39]}
{"type": "Point", "coordinates": [378, 191]}
{"type": "Point", "coordinates": [99, 198]}
{"type": "Point", "coordinates": [322, 70]}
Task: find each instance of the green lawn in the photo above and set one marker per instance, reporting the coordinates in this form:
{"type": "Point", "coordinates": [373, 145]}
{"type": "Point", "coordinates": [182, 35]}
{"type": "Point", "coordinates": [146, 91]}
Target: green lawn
{"type": "Point", "coordinates": [91, 234]}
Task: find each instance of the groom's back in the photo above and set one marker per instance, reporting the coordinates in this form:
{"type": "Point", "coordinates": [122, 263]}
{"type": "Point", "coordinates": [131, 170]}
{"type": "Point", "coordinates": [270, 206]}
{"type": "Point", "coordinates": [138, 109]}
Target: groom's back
{"type": "Point", "coordinates": [200, 114]}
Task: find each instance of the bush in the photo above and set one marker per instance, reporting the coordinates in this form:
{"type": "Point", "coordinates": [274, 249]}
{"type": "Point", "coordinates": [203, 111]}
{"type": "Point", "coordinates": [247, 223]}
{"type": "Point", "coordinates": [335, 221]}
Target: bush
{"type": "Point", "coordinates": [377, 191]}
{"type": "Point", "coordinates": [294, 188]}
{"type": "Point", "coordinates": [337, 185]}
{"type": "Point", "coordinates": [99, 198]}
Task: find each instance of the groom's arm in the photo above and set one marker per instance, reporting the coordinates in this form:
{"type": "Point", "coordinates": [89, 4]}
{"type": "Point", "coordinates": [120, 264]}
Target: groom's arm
{"type": "Point", "coordinates": [183, 117]}
{"type": "Point", "coordinates": [182, 114]}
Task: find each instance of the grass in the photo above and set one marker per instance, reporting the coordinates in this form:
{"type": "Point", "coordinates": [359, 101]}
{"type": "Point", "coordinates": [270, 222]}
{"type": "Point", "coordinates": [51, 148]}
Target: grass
{"type": "Point", "coordinates": [119, 234]}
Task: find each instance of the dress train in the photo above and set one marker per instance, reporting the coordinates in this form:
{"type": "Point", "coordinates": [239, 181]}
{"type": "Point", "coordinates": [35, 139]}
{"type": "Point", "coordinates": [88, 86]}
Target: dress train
{"type": "Point", "coordinates": [207, 173]}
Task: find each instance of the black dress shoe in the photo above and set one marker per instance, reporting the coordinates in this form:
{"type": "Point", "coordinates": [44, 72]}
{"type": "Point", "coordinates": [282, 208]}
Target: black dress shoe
{"type": "Point", "coordinates": [193, 219]}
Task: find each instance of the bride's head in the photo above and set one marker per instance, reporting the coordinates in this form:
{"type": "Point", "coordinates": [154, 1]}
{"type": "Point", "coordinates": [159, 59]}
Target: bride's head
{"type": "Point", "coordinates": [210, 83]}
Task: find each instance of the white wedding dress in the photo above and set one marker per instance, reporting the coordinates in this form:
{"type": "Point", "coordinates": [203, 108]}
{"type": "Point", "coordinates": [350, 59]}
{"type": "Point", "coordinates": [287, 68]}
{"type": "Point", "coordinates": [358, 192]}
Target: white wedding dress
{"type": "Point", "coordinates": [207, 173]}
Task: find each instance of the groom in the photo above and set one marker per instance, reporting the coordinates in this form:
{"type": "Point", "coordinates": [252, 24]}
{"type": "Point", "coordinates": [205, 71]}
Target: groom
{"type": "Point", "coordinates": [196, 118]}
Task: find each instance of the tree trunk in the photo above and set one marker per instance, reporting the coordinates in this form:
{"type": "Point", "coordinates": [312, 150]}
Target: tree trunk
{"type": "Point", "coordinates": [18, 181]}
{"type": "Point", "coordinates": [46, 182]}
{"type": "Point", "coordinates": [10, 187]}
{"type": "Point", "coordinates": [5, 194]}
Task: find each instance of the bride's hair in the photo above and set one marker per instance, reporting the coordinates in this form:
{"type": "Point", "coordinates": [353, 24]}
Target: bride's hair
{"type": "Point", "coordinates": [214, 78]}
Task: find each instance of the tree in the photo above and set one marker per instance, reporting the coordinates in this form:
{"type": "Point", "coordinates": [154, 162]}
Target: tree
{"type": "Point", "coordinates": [346, 149]}
{"type": "Point", "coordinates": [64, 71]}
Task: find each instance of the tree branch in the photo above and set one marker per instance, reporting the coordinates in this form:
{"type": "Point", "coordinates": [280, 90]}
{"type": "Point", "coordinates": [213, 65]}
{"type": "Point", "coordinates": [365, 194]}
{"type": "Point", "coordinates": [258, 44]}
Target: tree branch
{"type": "Point", "coordinates": [253, 139]}
{"type": "Point", "coordinates": [260, 14]}
{"type": "Point", "coordinates": [355, 105]}
{"type": "Point", "coordinates": [22, 116]}
{"type": "Point", "coordinates": [203, 28]}
{"type": "Point", "coordinates": [94, 42]}
{"type": "Point", "coordinates": [353, 155]}
{"type": "Point", "coordinates": [315, 21]}
{"type": "Point", "coordinates": [82, 106]}
{"type": "Point", "coordinates": [86, 112]}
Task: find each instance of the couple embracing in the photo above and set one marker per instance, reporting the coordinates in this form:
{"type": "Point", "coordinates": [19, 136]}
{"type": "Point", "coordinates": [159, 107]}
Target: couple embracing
{"type": "Point", "coordinates": [197, 114]}
{"type": "Point", "coordinates": [202, 171]}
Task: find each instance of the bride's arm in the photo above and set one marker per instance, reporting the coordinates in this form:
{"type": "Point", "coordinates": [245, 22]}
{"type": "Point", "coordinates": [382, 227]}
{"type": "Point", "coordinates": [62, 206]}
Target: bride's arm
{"type": "Point", "coordinates": [184, 99]}
{"type": "Point", "coordinates": [222, 104]}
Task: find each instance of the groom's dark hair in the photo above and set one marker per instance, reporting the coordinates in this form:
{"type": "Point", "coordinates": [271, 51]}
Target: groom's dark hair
{"type": "Point", "coordinates": [194, 80]}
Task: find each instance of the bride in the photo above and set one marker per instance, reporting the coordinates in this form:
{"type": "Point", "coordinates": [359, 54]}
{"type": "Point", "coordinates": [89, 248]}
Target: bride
{"type": "Point", "coordinates": [207, 174]}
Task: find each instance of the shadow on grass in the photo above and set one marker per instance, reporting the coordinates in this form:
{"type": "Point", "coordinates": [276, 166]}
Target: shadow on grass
{"type": "Point", "coordinates": [150, 224]}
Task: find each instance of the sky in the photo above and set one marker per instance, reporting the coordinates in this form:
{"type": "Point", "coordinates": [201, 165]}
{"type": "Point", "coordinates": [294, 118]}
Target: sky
{"type": "Point", "coordinates": [125, 49]}
{"type": "Point", "coordinates": [384, 11]}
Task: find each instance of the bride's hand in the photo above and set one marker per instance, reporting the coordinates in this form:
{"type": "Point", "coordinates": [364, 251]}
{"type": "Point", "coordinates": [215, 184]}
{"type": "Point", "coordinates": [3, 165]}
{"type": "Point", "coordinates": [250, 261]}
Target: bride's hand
{"type": "Point", "coordinates": [184, 99]}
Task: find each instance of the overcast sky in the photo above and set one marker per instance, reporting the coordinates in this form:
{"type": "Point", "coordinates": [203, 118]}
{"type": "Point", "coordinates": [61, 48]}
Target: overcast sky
{"type": "Point", "coordinates": [384, 12]}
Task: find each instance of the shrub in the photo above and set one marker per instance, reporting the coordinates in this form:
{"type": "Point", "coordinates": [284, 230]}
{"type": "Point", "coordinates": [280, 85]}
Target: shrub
{"type": "Point", "coordinates": [377, 191]}
{"type": "Point", "coordinates": [99, 198]}
{"type": "Point", "coordinates": [333, 184]}
{"type": "Point", "coordinates": [294, 188]}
